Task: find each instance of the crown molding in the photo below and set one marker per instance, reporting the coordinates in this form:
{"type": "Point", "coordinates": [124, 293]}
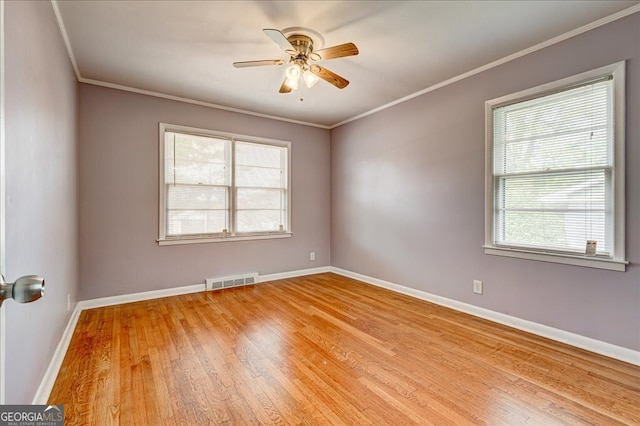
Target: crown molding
{"type": "Point", "coordinates": [498, 62]}
{"type": "Point", "coordinates": [580, 30]}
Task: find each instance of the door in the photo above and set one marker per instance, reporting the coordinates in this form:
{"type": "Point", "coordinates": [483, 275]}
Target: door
{"type": "Point", "coordinates": [2, 195]}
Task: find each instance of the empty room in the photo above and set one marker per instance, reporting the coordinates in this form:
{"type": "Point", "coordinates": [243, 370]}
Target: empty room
{"type": "Point", "coordinates": [320, 212]}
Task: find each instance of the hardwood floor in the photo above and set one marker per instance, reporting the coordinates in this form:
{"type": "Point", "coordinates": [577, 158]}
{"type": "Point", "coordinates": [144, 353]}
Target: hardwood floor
{"type": "Point", "coordinates": [325, 349]}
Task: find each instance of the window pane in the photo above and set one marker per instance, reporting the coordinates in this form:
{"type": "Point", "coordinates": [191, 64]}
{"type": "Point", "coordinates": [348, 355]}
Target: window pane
{"type": "Point", "coordinates": [258, 220]}
{"type": "Point", "coordinates": [186, 197]}
{"type": "Point", "coordinates": [562, 211]}
{"type": "Point", "coordinates": [250, 154]}
{"type": "Point", "coordinates": [192, 222]}
{"type": "Point", "coordinates": [553, 230]}
{"type": "Point", "coordinates": [248, 198]}
{"type": "Point", "coordinates": [196, 173]}
{"type": "Point", "coordinates": [581, 149]}
{"type": "Point", "coordinates": [576, 191]}
{"type": "Point", "coordinates": [258, 177]}
{"type": "Point", "coordinates": [565, 112]}
{"type": "Point", "coordinates": [195, 159]}
{"type": "Point", "coordinates": [565, 130]}
{"type": "Point", "coordinates": [262, 166]}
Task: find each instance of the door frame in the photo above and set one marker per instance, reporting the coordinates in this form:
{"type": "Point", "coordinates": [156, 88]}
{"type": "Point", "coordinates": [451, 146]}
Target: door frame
{"type": "Point", "coordinates": [2, 203]}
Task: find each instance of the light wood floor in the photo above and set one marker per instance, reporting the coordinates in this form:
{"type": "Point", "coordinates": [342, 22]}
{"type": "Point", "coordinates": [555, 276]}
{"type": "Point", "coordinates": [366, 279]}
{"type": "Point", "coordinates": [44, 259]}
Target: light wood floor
{"type": "Point", "coordinates": [325, 349]}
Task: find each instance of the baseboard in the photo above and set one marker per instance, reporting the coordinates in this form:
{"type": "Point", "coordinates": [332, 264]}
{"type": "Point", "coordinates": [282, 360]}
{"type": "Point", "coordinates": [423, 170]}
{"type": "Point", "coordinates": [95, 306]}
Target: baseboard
{"type": "Point", "coordinates": [136, 297]}
{"type": "Point", "coordinates": [49, 379]}
{"type": "Point", "coordinates": [176, 291]}
{"type": "Point", "coordinates": [293, 274]}
{"type": "Point", "coordinates": [587, 343]}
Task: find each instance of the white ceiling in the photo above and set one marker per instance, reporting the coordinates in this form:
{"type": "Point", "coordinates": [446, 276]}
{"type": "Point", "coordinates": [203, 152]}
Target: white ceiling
{"type": "Point", "coordinates": [185, 49]}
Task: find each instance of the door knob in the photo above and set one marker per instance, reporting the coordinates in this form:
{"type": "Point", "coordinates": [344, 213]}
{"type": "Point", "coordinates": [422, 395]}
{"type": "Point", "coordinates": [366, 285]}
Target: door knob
{"type": "Point", "coordinates": [26, 289]}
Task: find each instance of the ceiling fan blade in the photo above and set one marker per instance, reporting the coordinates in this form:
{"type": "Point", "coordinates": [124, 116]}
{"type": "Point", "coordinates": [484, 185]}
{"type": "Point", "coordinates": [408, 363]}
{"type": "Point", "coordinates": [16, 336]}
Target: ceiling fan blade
{"type": "Point", "coordinates": [329, 76]}
{"type": "Point", "coordinates": [246, 64]}
{"type": "Point", "coordinates": [279, 39]}
{"type": "Point", "coordinates": [340, 51]}
{"type": "Point", "coordinates": [284, 88]}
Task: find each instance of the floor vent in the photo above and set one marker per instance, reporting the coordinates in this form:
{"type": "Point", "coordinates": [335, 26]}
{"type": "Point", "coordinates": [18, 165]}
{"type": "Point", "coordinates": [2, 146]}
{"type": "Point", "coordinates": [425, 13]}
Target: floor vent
{"type": "Point", "coordinates": [231, 281]}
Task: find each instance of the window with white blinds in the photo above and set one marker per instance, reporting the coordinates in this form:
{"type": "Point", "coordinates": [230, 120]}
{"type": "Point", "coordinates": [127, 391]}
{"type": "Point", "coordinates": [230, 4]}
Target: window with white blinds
{"type": "Point", "coordinates": [197, 183]}
{"type": "Point", "coordinates": [261, 187]}
{"type": "Point", "coordinates": [552, 158]}
{"type": "Point", "coordinates": [218, 186]}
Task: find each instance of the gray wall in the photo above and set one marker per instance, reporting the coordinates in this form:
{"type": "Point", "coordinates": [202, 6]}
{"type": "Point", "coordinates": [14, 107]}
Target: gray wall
{"type": "Point", "coordinates": [119, 197]}
{"type": "Point", "coordinates": [408, 197]}
{"type": "Point", "coordinates": [41, 189]}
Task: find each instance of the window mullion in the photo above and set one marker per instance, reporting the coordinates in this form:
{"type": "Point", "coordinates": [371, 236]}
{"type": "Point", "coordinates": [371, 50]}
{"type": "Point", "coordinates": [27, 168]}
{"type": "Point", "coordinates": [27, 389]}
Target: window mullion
{"type": "Point", "coordinates": [576, 170]}
{"type": "Point", "coordinates": [232, 189]}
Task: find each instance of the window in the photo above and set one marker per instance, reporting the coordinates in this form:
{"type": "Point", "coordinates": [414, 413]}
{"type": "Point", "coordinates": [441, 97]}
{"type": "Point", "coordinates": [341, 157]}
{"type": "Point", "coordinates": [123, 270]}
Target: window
{"type": "Point", "coordinates": [220, 187]}
{"type": "Point", "coordinates": [555, 171]}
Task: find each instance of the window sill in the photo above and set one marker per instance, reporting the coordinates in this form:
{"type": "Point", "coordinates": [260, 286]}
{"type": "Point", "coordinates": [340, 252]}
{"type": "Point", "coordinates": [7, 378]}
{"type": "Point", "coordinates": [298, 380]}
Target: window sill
{"type": "Point", "coordinates": [567, 259]}
{"type": "Point", "coordinates": [200, 240]}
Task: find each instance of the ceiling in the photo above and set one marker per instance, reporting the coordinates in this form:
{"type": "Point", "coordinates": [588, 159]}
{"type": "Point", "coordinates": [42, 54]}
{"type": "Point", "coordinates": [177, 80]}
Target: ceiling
{"type": "Point", "coordinates": [185, 49]}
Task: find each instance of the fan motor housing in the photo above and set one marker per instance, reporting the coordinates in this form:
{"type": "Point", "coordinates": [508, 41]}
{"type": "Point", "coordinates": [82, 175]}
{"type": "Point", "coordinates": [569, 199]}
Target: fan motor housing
{"type": "Point", "coordinates": [302, 44]}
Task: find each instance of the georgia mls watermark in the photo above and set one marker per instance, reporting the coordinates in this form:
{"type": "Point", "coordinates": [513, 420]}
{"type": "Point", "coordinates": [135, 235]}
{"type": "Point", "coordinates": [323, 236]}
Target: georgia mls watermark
{"type": "Point", "coordinates": [32, 415]}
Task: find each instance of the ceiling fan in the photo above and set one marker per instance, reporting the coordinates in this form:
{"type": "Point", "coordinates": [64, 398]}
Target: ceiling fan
{"type": "Point", "coordinates": [299, 44]}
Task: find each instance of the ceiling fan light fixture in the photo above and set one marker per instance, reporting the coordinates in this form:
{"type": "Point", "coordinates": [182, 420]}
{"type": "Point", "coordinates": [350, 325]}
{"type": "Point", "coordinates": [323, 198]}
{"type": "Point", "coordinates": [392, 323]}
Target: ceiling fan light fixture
{"type": "Point", "coordinates": [310, 78]}
{"type": "Point", "coordinates": [291, 83]}
{"type": "Point", "coordinates": [292, 75]}
{"type": "Point", "coordinates": [293, 72]}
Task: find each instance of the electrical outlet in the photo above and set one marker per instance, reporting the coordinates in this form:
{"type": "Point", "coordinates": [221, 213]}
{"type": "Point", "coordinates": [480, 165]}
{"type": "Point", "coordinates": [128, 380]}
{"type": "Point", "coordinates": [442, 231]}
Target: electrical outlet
{"type": "Point", "coordinates": [477, 287]}
{"type": "Point", "coordinates": [68, 302]}
{"type": "Point", "coordinates": [312, 255]}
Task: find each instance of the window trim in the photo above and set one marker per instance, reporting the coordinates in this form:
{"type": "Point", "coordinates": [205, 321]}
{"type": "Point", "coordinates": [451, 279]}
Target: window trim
{"type": "Point", "coordinates": [618, 261]}
{"type": "Point", "coordinates": [217, 237]}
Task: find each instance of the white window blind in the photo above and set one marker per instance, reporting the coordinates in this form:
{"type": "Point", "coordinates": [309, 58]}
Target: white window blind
{"type": "Point", "coordinates": [216, 187]}
{"type": "Point", "coordinates": [552, 170]}
{"type": "Point", "coordinates": [261, 187]}
{"type": "Point", "coordinates": [197, 182]}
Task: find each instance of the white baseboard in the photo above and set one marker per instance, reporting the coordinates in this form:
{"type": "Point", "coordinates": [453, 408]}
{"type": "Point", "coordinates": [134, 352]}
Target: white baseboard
{"type": "Point", "coordinates": [293, 274]}
{"type": "Point", "coordinates": [136, 297]}
{"type": "Point", "coordinates": [49, 379]}
{"type": "Point", "coordinates": [175, 291]}
{"type": "Point", "coordinates": [587, 343]}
